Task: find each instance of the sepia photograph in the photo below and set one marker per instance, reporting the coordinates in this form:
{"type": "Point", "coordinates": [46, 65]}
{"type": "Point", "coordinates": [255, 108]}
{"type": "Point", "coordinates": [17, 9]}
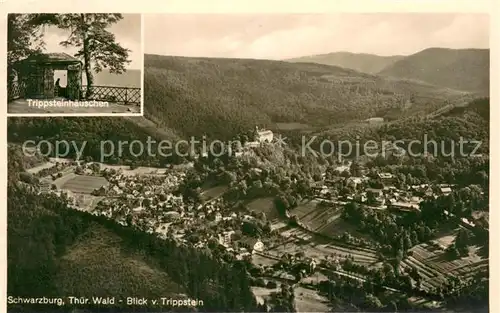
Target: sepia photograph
{"type": "Point", "coordinates": [78, 63]}
{"type": "Point", "coordinates": [334, 162]}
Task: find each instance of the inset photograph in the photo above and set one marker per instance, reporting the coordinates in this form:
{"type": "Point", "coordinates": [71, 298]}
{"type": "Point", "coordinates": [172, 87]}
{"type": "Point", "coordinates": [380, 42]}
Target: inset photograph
{"type": "Point", "coordinates": [75, 64]}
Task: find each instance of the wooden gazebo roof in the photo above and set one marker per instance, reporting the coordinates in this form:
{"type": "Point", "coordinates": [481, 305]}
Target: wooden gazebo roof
{"type": "Point", "coordinates": [57, 58]}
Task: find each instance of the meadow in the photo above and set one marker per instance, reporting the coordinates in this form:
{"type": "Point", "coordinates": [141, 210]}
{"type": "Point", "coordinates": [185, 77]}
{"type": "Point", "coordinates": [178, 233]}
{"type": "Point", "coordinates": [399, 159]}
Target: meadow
{"type": "Point", "coordinates": [84, 184]}
{"type": "Point", "coordinates": [266, 206]}
{"type": "Point", "coordinates": [214, 192]}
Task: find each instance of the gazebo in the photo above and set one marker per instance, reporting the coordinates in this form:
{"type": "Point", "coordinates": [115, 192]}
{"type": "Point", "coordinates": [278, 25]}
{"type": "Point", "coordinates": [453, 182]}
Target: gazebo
{"type": "Point", "coordinates": [36, 74]}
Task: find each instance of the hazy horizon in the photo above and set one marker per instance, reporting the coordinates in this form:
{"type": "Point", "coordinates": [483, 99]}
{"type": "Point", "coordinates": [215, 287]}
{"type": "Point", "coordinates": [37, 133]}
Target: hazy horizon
{"type": "Point", "coordinates": [319, 54]}
{"type": "Point", "coordinates": [287, 36]}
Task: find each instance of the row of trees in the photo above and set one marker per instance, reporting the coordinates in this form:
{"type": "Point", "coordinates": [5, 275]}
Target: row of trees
{"type": "Point", "coordinates": [396, 236]}
{"type": "Point", "coordinates": [99, 138]}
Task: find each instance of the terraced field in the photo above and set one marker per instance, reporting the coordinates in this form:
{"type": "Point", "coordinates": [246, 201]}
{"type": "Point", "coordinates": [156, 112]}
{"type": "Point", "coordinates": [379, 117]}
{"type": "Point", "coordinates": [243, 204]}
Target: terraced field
{"type": "Point", "coordinates": [305, 208]}
{"type": "Point", "coordinates": [325, 221]}
{"type": "Point", "coordinates": [434, 266]}
{"type": "Point", "coordinates": [316, 247]}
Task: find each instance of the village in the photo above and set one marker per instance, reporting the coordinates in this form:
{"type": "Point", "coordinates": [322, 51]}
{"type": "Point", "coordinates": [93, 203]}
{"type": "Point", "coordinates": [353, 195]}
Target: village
{"type": "Point", "coordinates": [311, 242]}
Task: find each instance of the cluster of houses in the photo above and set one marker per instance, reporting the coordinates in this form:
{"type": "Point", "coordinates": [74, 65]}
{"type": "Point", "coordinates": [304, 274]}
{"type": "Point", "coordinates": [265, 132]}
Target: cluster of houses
{"type": "Point", "coordinates": [151, 201]}
{"type": "Point", "coordinates": [386, 197]}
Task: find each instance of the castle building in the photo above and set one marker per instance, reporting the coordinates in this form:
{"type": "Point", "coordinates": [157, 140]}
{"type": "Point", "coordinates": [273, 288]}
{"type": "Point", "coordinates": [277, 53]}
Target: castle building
{"type": "Point", "coordinates": [264, 135]}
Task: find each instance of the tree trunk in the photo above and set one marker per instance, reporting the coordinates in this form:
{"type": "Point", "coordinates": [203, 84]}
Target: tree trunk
{"type": "Point", "coordinates": [10, 83]}
{"type": "Point", "coordinates": [86, 60]}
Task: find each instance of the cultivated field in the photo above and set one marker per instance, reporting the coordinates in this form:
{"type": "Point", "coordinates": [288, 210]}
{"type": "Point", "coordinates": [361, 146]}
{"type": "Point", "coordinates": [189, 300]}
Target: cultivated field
{"type": "Point", "coordinates": [84, 184]}
{"type": "Point", "coordinates": [315, 278]}
{"type": "Point", "coordinates": [61, 181]}
{"type": "Point", "coordinates": [265, 205]}
{"type": "Point", "coordinates": [262, 260]}
{"type": "Point", "coordinates": [323, 220]}
{"type": "Point", "coordinates": [320, 248]}
{"type": "Point", "coordinates": [305, 208]}
{"type": "Point", "coordinates": [434, 265]}
{"type": "Point", "coordinates": [214, 192]}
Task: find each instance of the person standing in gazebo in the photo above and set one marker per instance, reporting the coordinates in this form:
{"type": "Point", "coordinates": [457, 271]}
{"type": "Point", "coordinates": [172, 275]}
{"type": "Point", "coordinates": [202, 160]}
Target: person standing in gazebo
{"type": "Point", "coordinates": [58, 87]}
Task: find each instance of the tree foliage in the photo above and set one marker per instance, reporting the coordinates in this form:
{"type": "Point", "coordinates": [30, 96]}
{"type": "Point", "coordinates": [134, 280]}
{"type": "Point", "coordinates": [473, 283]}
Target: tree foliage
{"type": "Point", "coordinates": [96, 45]}
{"type": "Point", "coordinates": [23, 39]}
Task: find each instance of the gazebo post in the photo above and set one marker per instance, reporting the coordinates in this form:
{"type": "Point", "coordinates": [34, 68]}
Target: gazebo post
{"type": "Point", "coordinates": [48, 82]}
{"type": "Point", "coordinates": [74, 81]}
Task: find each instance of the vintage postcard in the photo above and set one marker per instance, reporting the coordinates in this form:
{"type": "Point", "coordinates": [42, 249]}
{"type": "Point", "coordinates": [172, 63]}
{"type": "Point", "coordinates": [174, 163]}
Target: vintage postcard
{"type": "Point", "coordinates": [294, 161]}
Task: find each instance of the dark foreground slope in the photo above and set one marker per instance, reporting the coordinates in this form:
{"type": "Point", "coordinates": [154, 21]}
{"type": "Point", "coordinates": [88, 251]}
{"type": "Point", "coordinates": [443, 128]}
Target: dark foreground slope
{"type": "Point", "coordinates": [461, 69]}
{"type": "Point", "coordinates": [54, 251]}
{"type": "Point", "coordinates": [362, 62]}
{"type": "Point", "coordinates": [221, 97]}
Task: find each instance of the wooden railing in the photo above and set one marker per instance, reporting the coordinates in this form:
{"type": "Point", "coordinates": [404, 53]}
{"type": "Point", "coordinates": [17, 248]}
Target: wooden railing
{"type": "Point", "coordinates": [122, 95]}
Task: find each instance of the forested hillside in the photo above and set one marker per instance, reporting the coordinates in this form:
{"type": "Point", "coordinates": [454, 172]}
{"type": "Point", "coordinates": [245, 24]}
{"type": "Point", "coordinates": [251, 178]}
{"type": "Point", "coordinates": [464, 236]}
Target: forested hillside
{"type": "Point", "coordinates": [221, 97]}
{"type": "Point", "coordinates": [461, 69]}
{"type": "Point", "coordinates": [362, 62]}
{"type": "Point", "coordinates": [95, 131]}
{"type": "Point", "coordinates": [445, 161]}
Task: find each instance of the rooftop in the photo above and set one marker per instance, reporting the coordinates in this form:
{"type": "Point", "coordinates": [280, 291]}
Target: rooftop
{"type": "Point", "coordinates": [51, 58]}
{"type": "Point", "coordinates": [264, 132]}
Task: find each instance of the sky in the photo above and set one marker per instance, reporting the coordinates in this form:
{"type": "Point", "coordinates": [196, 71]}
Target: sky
{"type": "Point", "coordinates": [127, 32]}
{"type": "Point", "coordinates": [283, 36]}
